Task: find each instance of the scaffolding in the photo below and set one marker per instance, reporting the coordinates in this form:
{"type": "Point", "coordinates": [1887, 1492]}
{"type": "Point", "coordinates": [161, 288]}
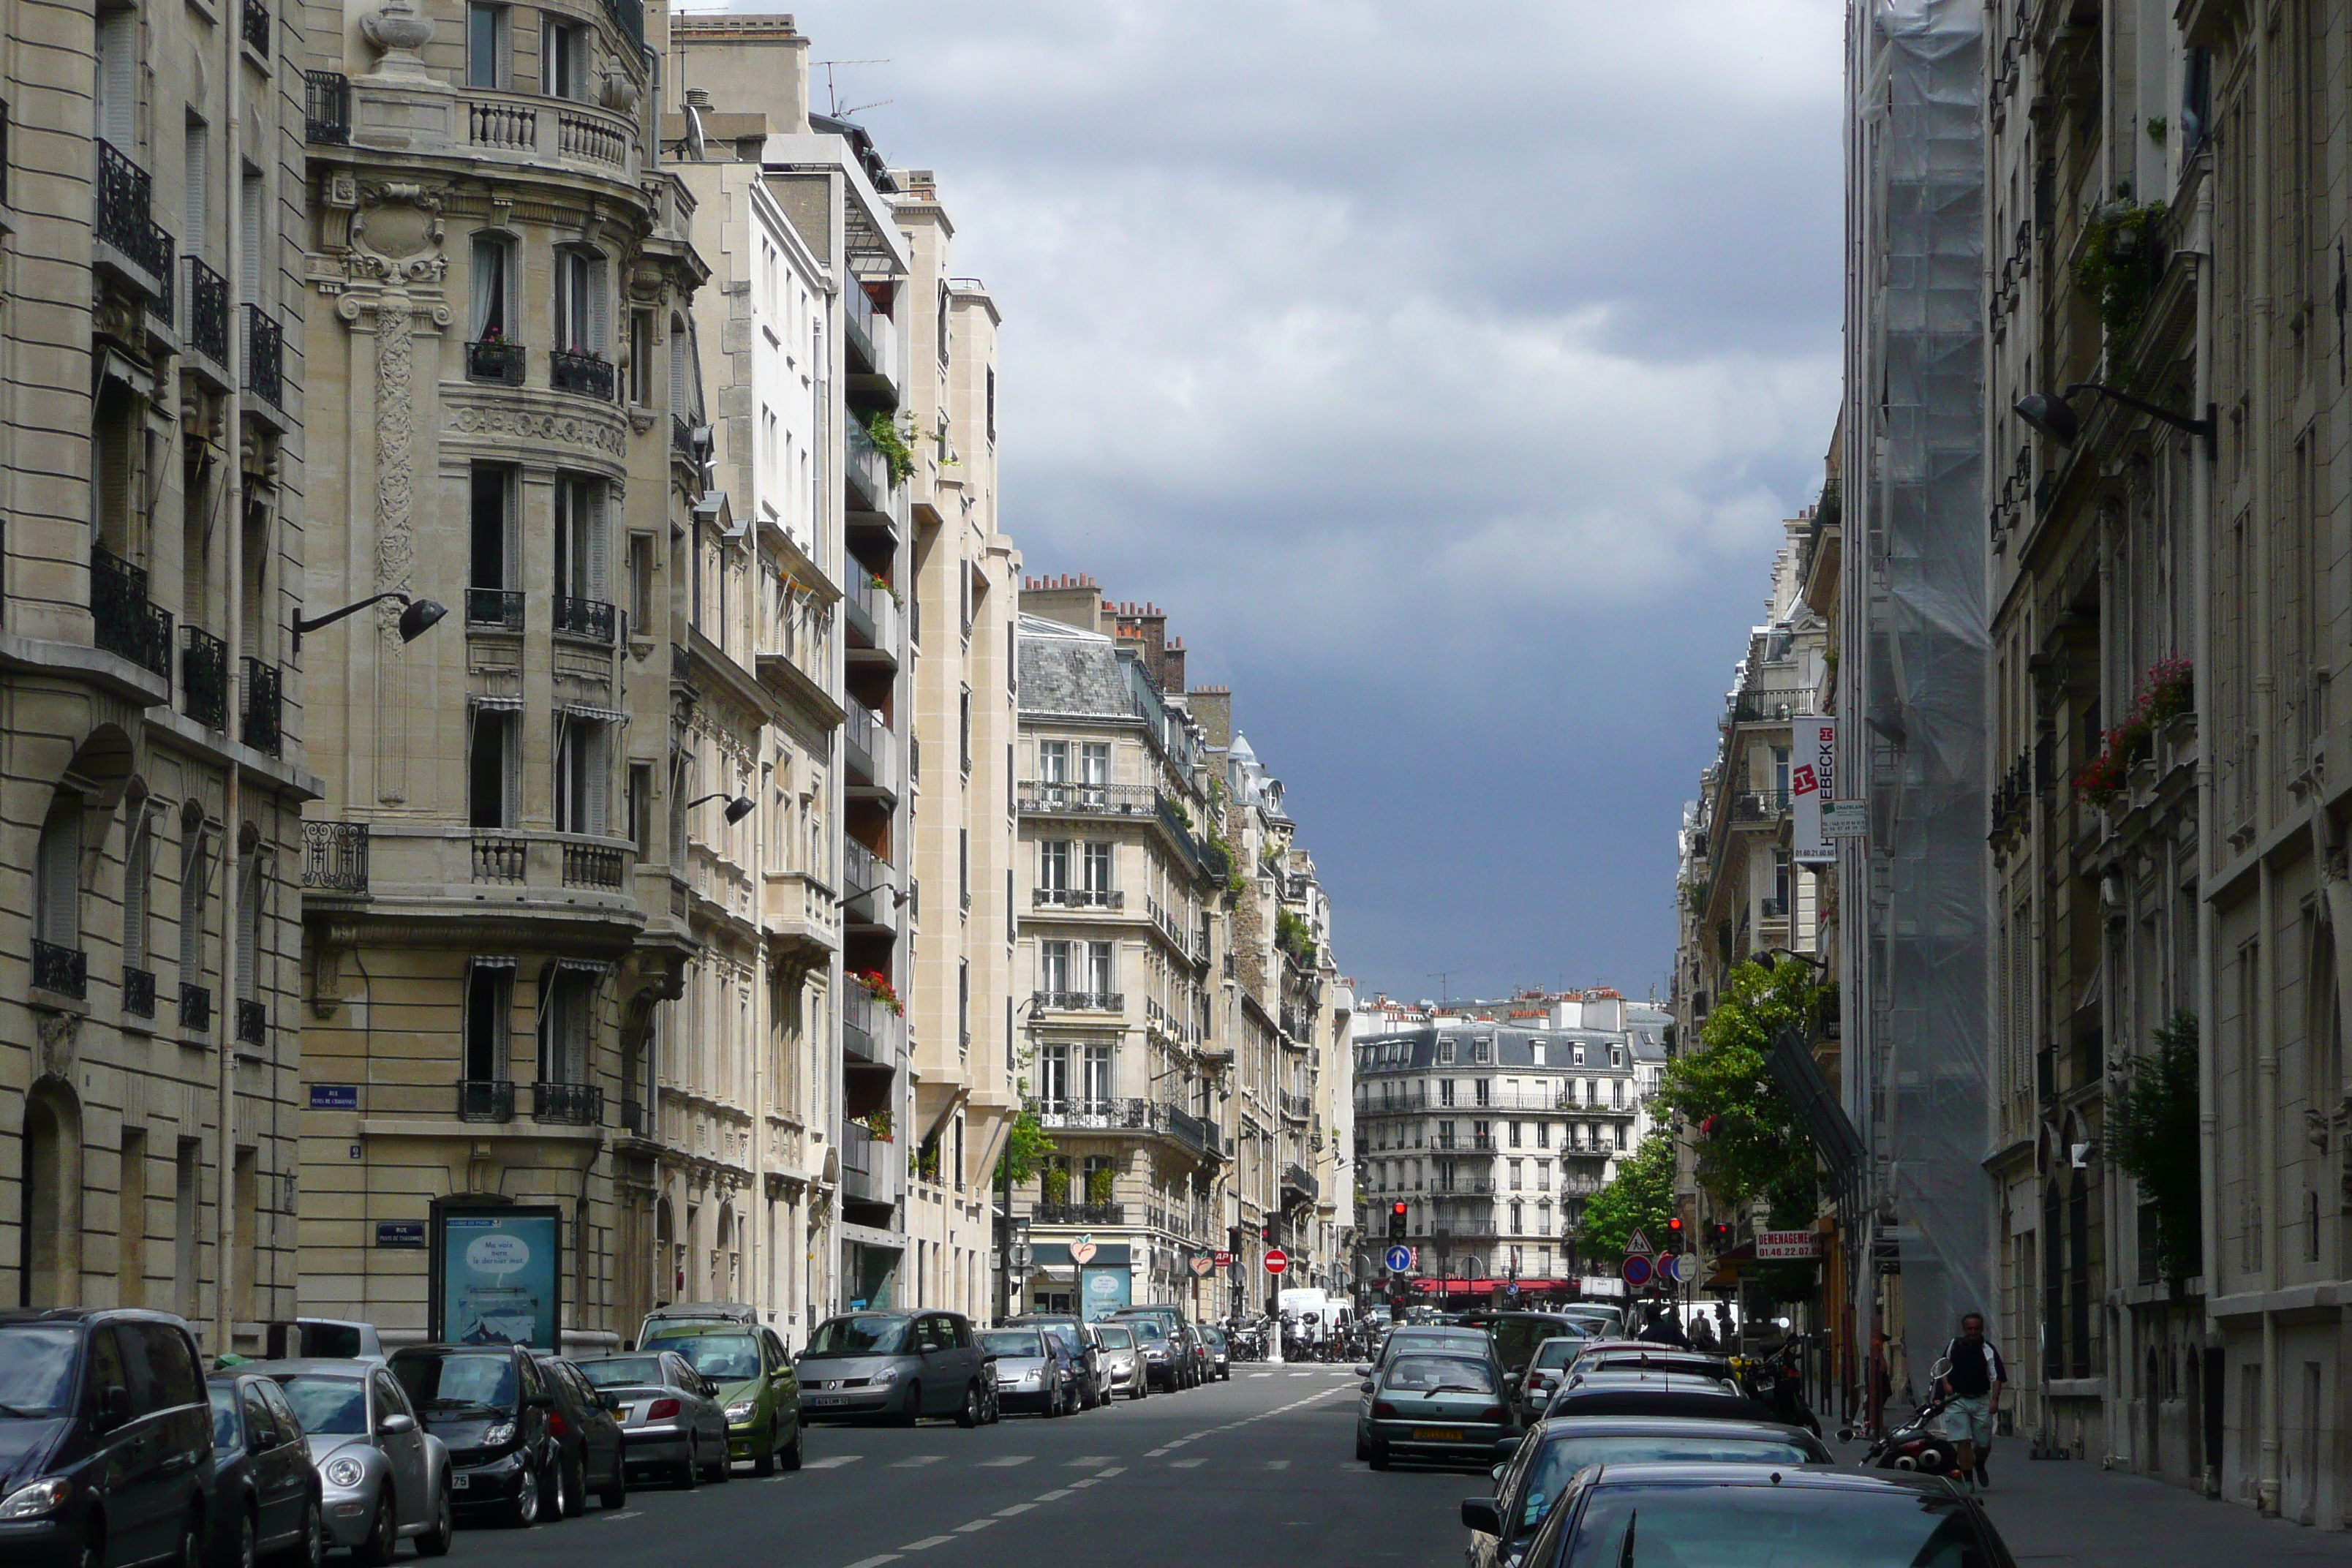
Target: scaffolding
{"type": "Point", "coordinates": [1913, 650]}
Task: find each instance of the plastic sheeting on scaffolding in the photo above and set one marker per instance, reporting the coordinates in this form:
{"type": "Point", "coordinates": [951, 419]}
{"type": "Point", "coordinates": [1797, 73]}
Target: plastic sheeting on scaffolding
{"type": "Point", "coordinates": [1913, 651]}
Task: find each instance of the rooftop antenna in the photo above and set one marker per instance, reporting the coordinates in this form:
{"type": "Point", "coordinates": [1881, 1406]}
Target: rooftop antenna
{"type": "Point", "coordinates": [1442, 976]}
{"type": "Point", "coordinates": [833, 97]}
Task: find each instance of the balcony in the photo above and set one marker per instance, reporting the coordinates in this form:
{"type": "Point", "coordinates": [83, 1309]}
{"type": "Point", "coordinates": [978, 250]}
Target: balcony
{"type": "Point", "coordinates": [565, 1104]}
{"type": "Point", "coordinates": [633, 1118]}
{"type": "Point", "coordinates": [264, 728]}
{"type": "Point", "coordinates": [203, 677]}
{"type": "Point", "coordinates": [871, 885]}
{"type": "Point", "coordinates": [1773, 707]}
{"type": "Point", "coordinates": [1466, 1186]}
{"type": "Point", "coordinates": [591, 619]}
{"type": "Point", "coordinates": [265, 357]}
{"type": "Point", "coordinates": [871, 747]}
{"type": "Point", "coordinates": [869, 488]}
{"type": "Point", "coordinates": [61, 971]}
{"type": "Point", "coordinates": [1077, 899]}
{"type": "Point", "coordinates": [1760, 808]}
{"type": "Point", "coordinates": [255, 28]}
{"type": "Point", "coordinates": [872, 339]}
{"type": "Point", "coordinates": [195, 1009]}
{"type": "Point", "coordinates": [601, 866]}
{"type": "Point", "coordinates": [871, 1167]}
{"type": "Point", "coordinates": [494, 609]}
{"type": "Point", "coordinates": [207, 314]}
{"type": "Point", "coordinates": [1110, 1115]}
{"type": "Point", "coordinates": [500, 857]}
{"type": "Point", "coordinates": [1297, 1179]}
{"type": "Point", "coordinates": [138, 993]}
{"type": "Point", "coordinates": [252, 1022]}
{"type": "Point", "coordinates": [485, 1100]}
{"type": "Point", "coordinates": [136, 246]}
{"type": "Point", "coordinates": [870, 615]}
{"type": "Point", "coordinates": [1079, 1000]}
{"type": "Point", "coordinates": [1078, 1214]}
{"type": "Point", "coordinates": [335, 857]}
{"type": "Point", "coordinates": [494, 362]}
{"type": "Point", "coordinates": [326, 109]}
{"type": "Point", "coordinates": [870, 1031]}
{"type": "Point", "coordinates": [1297, 1107]}
{"type": "Point", "coordinates": [1058, 798]}
{"type": "Point", "coordinates": [588, 375]}
{"type": "Point", "coordinates": [122, 620]}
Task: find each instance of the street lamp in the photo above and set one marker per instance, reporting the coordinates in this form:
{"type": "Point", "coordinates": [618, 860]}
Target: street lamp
{"type": "Point", "coordinates": [738, 806]}
{"type": "Point", "coordinates": [2053, 416]}
{"type": "Point", "coordinates": [417, 618]}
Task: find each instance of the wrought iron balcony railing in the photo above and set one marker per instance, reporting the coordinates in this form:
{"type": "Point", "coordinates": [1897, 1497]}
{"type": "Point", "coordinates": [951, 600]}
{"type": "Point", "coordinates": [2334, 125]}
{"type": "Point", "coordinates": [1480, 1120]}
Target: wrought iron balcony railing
{"type": "Point", "coordinates": [591, 376]}
{"type": "Point", "coordinates": [123, 621]}
{"type": "Point", "coordinates": [265, 709]}
{"type": "Point", "coordinates": [497, 363]}
{"type": "Point", "coordinates": [256, 31]}
{"type": "Point", "coordinates": [567, 1104]}
{"type": "Point", "coordinates": [195, 1009]}
{"type": "Point", "coordinates": [335, 856]}
{"type": "Point", "coordinates": [62, 970]}
{"type": "Point", "coordinates": [591, 618]}
{"type": "Point", "coordinates": [326, 108]}
{"type": "Point", "coordinates": [497, 609]}
{"type": "Point", "coordinates": [138, 993]}
{"type": "Point", "coordinates": [265, 357]}
{"type": "Point", "coordinates": [207, 312]}
{"type": "Point", "coordinates": [1078, 897]}
{"type": "Point", "coordinates": [126, 221]}
{"type": "Point", "coordinates": [203, 677]}
{"type": "Point", "coordinates": [485, 1100]}
{"type": "Point", "coordinates": [1078, 1214]}
{"type": "Point", "coordinates": [1081, 1001]}
{"type": "Point", "coordinates": [252, 1021]}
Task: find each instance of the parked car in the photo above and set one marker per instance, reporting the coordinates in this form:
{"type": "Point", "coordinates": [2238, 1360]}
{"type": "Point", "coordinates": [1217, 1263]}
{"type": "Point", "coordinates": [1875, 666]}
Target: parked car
{"type": "Point", "coordinates": [1174, 1366]}
{"type": "Point", "coordinates": [589, 1449]}
{"type": "Point", "coordinates": [1735, 1513]}
{"type": "Point", "coordinates": [1656, 1393]}
{"type": "Point", "coordinates": [1438, 1406]}
{"type": "Point", "coordinates": [1077, 1338]}
{"type": "Point", "coordinates": [1546, 1370]}
{"type": "Point", "coordinates": [1157, 1346]}
{"type": "Point", "coordinates": [1516, 1334]}
{"type": "Point", "coordinates": [757, 1388]}
{"type": "Point", "coordinates": [1033, 1370]}
{"type": "Point", "coordinates": [671, 1421]}
{"type": "Point", "coordinates": [382, 1475]}
{"type": "Point", "coordinates": [692, 1314]}
{"type": "Point", "coordinates": [1549, 1457]}
{"type": "Point", "coordinates": [265, 1494]}
{"type": "Point", "coordinates": [903, 1365]}
{"type": "Point", "coordinates": [106, 1439]}
{"type": "Point", "coordinates": [490, 1404]}
{"type": "Point", "coordinates": [1602, 1322]}
{"type": "Point", "coordinates": [1196, 1352]}
{"type": "Point", "coordinates": [1651, 1358]}
{"type": "Point", "coordinates": [321, 1339]}
{"type": "Point", "coordinates": [1221, 1352]}
{"type": "Point", "coordinates": [1124, 1358]}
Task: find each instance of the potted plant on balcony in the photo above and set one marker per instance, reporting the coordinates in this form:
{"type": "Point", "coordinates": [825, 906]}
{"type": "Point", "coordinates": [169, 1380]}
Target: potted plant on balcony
{"type": "Point", "coordinates": [1101, 1182]}
{"type": "Point", "coordinates": [877, 985]}
{"type": "Point", "coordinates": [1055, 1184]}
{"type": "Point", "coordinates": [877, 1124]}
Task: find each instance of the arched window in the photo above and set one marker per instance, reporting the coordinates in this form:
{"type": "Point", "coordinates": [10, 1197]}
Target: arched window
{"type": "Point", "coordinates": [496, 284]}
{"type": "Point", "coordinates": [583, 303]}
{"type": "Point", "coordinates": [56, 896]}
{"type": "Point", "coordinates": [52, 1175]}
{"type": "Point", "coordinates": [138, 869]}
{"type": "Point", "coordinates": [196, 888]}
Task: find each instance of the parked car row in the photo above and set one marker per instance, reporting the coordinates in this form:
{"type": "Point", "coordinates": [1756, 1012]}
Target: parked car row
{"type": "Point", "coordinates": [1607, 1452]}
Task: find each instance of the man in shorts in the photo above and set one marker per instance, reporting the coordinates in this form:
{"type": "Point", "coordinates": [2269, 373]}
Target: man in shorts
{"type": "Point", "coordinates": [1973, 1381]}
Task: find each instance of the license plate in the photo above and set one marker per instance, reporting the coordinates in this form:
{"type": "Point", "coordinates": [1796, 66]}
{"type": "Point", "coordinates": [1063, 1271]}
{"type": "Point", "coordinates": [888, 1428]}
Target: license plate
{"type": "Point", "coordinates": [461, 1481]}
{"type": "Point", "coordinates": [1437, 1434]}
{"type": "Point", "coordinates": [827, 1399]}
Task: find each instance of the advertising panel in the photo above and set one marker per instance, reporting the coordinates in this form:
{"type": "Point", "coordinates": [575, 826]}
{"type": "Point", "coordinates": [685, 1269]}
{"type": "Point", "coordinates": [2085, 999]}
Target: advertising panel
{"type": "Point", "coordinates": [1812, 778]}
{"type": "Point", "coordinates": [1107, 1291]}
{"type": "Point", "coordinates": [499, 1276]}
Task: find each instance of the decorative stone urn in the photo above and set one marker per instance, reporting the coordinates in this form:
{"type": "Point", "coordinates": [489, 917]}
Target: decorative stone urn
{"type": "Point", "coordinates": [399, 30]}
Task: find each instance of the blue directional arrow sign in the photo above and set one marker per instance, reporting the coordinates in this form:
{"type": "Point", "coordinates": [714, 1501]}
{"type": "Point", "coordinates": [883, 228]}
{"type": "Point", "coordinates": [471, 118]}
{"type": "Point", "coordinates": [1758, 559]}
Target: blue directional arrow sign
{"type": "Point", "coordinates": [1400, 1258]}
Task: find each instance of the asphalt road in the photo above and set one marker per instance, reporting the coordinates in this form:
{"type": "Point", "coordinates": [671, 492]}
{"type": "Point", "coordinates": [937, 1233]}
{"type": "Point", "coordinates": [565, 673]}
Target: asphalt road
{"type": "Point", "coordinates": [1256, 1472]}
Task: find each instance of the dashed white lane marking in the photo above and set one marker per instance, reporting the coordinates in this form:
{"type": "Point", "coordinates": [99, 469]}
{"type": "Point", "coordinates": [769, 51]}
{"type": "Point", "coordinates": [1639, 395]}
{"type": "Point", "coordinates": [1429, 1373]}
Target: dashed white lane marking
{"type": "Point", "coordinates": [1007, 1462]}
{"type": "Point", "coordinates": [1093, 1459]}
{"type": "Point", "coordinates": [629, 1513]}
{"type": "Point", "coordinates": [1114, 1470]}
{"type": "Point", "coordinates": [1302, 1374]}
{"type": "Point", "coordinates": [874, 1562]}
{"type": "Point", "coordinates": [1154, 1453]}
{"type": "Point", "coordinates": [1018, 1508]}
{"type": "Point", "coordinates": [1057, 1495]}
{"type": "Point", "coordinates": [927, 1542]}
{"type": "Point", "coordinates": [1189, 1435]}
{"type": "Point", "coordinates": [1087, 1482]}
{"type": "Point", "coordinates": [834, 1463]}
{"type": "Point", "coordinates": [1261, 1374]}
{"type": "Point", "coordinates": [976, 1524]}
{"type": "Point", "coordinates": [1278, 1464]}
{"type": "Point", "coordinates": [917, 1461]}
{"type": "Point", "coordinates": [1186, 1463]}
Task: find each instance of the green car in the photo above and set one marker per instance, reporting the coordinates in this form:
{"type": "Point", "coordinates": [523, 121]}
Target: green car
{"type": "Point", "coordinates": [756, 1387]}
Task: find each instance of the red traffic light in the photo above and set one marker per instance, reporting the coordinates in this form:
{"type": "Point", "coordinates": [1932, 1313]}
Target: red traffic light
{"type": "Point", "coordinates": [1398, 1208]}
{"type": "Point", "coordinates": [1676, 1225]}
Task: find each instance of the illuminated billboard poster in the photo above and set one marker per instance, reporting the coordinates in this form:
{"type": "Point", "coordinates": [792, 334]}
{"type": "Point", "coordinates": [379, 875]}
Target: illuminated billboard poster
{"type": "Point", "coordinates": [500, 1273]}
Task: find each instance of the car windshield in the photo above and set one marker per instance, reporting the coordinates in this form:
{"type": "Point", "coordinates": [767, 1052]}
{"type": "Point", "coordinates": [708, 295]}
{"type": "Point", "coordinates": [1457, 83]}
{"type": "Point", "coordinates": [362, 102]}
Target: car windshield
{"type": "Point", "coordinates": [1557, 1461]}
{"type": "Point", "coordinates": [859, 1336]}
{"type": "Point", "coordinates": [36, 1362]}
{"type": "Point", "coordinates": [1557, 1351]}
{"type": "Point", "coordinates": [1010, 1342]}
{"type": "Point", "coordinates": [329, 1406]}
{"type": "Point", "coordinates": [1216, 1339]}
{"type": "Point", "coordinates": [722, 1358]}
{"type": "Point", "coordinates": [446, 1382]}
{"type": "Point", "coordinates": [224, 1433]}
{"type": "Point", "coordinates": [623, 1372]}
{"type": "Point", "coordinates": [1440, 1373]}
{"type": "Point", "coordinates": [1746, 1526]}
{"type": "Point", "coordinates": [1148, 1332]}
{"type": "Point", "coordinates": [1116, 1338]}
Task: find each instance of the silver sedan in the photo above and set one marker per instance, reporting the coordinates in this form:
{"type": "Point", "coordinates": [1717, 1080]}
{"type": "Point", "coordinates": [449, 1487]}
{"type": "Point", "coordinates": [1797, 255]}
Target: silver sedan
{"type": "Point", "coordinates": [382, 1475]}
{"type": "Point", "coordinates": [1122, 1362]}
{"type": "Point", "coordinates": [670, 1418]}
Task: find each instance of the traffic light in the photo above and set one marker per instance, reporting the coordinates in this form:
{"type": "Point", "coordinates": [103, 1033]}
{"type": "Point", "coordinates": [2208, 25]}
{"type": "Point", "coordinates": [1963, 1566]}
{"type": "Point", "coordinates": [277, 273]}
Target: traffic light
{"type": "Point", "coordinates": [1266, 1236]}
{"type": "Point", "coordinates": [1719, 1237]}
{"type": "Point", "coordinates": [1674, 1234]}
{"type": "Point", "coordinates": [1396, 1220]}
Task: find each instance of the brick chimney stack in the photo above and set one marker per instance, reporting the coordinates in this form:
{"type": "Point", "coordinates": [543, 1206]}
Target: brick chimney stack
{"type": "Point", "coordinates": [1149, 623]}
{"type": "Point", "coordinates": [1071, 599]}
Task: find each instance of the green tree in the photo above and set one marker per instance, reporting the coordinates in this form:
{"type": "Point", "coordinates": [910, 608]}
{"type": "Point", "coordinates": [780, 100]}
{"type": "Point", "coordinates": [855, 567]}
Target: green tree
{"type": "Point", "coordinates": [2152, 1132]}
{"type": "Point", "coordinates": [1742, 1129]}
{"type": "Point", "coordinates": [1641, 1196]}
{"type": "Point", "coordinates": [1026, 1145]}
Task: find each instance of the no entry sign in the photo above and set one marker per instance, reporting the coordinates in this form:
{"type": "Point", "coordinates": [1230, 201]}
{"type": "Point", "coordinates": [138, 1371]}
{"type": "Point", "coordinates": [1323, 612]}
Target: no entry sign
{"type": "Point", "coordinates": [1276, 1261]}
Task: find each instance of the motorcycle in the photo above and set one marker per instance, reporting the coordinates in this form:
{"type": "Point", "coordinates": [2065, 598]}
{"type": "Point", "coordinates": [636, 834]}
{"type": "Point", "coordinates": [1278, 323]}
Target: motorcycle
{"type": "Point", "coordinates": [1775, 1381]}
{"type": "Point", "coordinates": [1917, 1444]}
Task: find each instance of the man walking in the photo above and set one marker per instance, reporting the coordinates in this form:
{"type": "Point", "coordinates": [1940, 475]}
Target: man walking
{"type": "Point", "coordinates": [1663, 1329]}
{"type": "Point", "coordinates": [1973, 1381]}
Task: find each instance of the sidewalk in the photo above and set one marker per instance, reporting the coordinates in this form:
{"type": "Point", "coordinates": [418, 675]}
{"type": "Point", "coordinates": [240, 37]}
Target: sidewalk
{"type": "Point", "coordinates": [2056, 1513]}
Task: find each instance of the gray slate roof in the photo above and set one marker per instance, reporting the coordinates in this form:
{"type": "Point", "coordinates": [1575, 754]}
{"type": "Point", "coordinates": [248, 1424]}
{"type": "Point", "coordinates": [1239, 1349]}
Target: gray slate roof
{"type": "Point", "coordinates": [1065, 671]}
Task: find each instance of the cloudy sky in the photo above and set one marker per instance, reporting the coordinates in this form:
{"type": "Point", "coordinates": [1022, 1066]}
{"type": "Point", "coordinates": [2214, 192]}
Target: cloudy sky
{"type": "Point", "coordinates": [1444, 369]}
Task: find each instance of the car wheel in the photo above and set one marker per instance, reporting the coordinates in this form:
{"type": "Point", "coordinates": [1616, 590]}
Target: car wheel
{"type": "Point", "coordinates": [689, 1474]}
{"type": "Point", "coordinates": [615, 1493]}
{"type": "Point", "coordinates": [191, 1541]}
{"type": "Point", "coordinates": [725, 1469]}
{"type": "Point", "coordinates": [93, 1544]}
{"type": "Point", "coordinates": [310, 1548]}
{"type": "Point", "coordinates": [1053, 1405]}
{"type": "Point", "coordinates": [523, 1512]}
{"type": "Point", "coordinates": [383, 1531]}
{"type": "Point", "coordinates": [571, 1487]}
{"type": "Point", "coordinates": [798, 1449]}
{"type": "Point", "coordinates": [1363, 1448]}
{"type": "Point", "coordinates": [434, 1542]}
{"type": "Point", "coordinates": [765, 1464]}
{"type": "Point", "coordinates": [968, 1416]}
{"type": "Point", "coordinates": [242, 1552]}
{"type": "Point", "coordinates": [912, 1415]}
{"type": "Point", "coordinates": [1379, 1456]}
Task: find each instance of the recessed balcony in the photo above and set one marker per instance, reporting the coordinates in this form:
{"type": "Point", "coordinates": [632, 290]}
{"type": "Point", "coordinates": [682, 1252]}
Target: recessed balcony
{"type": "Point", "coordinates": [123, 621]}
{"type": "Point", "coordinates": [494, 362]}
{"type": "Point", "coordinates": [494, 609]}
{"type": "Point", "coordinates": [584, 375]}
{"type": "Point", "coordinates": [591, 619]}
{"type": "Point", "coordinates": [870, 614]}
{"type": "Point", "coordinates": [872, 750]}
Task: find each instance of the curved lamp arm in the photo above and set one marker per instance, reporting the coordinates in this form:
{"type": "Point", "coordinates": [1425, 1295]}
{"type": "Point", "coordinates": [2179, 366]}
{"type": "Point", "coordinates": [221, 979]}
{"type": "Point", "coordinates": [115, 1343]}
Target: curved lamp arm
{"type": "Point", "coordinates": [417, 616]}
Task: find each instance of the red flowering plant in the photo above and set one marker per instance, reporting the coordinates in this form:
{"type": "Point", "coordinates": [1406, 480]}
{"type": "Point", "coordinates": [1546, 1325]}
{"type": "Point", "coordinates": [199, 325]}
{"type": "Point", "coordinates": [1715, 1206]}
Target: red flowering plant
{"type": "Point", "coordinates": [2168, 692]}
{"type": "Point", "coordinates": [877, 985]}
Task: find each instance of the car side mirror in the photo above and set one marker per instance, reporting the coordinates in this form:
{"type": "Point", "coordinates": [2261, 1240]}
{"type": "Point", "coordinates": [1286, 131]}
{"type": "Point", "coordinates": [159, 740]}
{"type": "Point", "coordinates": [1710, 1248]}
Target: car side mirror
{"type": "Point", "coordinates": [628, 1347]}
{"type": "Point", "coordinates": [393, 1424]}
{"type": "Point", "coordinates": [1510, 1380]}
{"type": "Point", "coordinates": [1480, 1513]}
{"type": "Point", "coordinates": [1367, 1386]}
{"type": "Point", "coordinates": [114, 1409]}
{"type": "Point", "coordinates": [1365, 1369]}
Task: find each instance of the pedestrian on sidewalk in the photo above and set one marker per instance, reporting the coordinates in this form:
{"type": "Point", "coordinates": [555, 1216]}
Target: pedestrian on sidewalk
{"type": "Point", "coordinates": [1973, 1379]}
{"type": "Point", "coordinates": [1663, 1329]}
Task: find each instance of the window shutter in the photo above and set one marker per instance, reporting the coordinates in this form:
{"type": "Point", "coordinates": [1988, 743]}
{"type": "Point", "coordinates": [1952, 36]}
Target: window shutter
{"type": "Point", "coordinates": [598, 759]}
{"type": "Point", "coordinates": [510, 769]}
{"type": "Point", "coordinates": [598, 552]}
{"type": "Point", "coordinates": [564, 733]}
{"type": "Point", "coordinates": [134, 895]}
{"type": "Point", "coordinates": [253, 199]}
{"type": "Point", "coordinates": [118, 80]}
{"type": "Point", "coordinates": [196, 174]}
{"type": "Point", "coordinates": [600, 309]}
{"type": "Point", "coordinates": [59, 891]}
{"type": "Point", "coordinates": [248, 926]}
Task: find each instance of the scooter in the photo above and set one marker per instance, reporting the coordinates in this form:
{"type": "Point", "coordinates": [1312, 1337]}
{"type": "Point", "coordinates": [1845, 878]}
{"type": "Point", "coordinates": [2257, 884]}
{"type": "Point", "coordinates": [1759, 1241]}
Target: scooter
{"type": "Point", "coordinates": [1917, 1444]}
{"type": "Point", "coordinates": [1774, 1381]}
